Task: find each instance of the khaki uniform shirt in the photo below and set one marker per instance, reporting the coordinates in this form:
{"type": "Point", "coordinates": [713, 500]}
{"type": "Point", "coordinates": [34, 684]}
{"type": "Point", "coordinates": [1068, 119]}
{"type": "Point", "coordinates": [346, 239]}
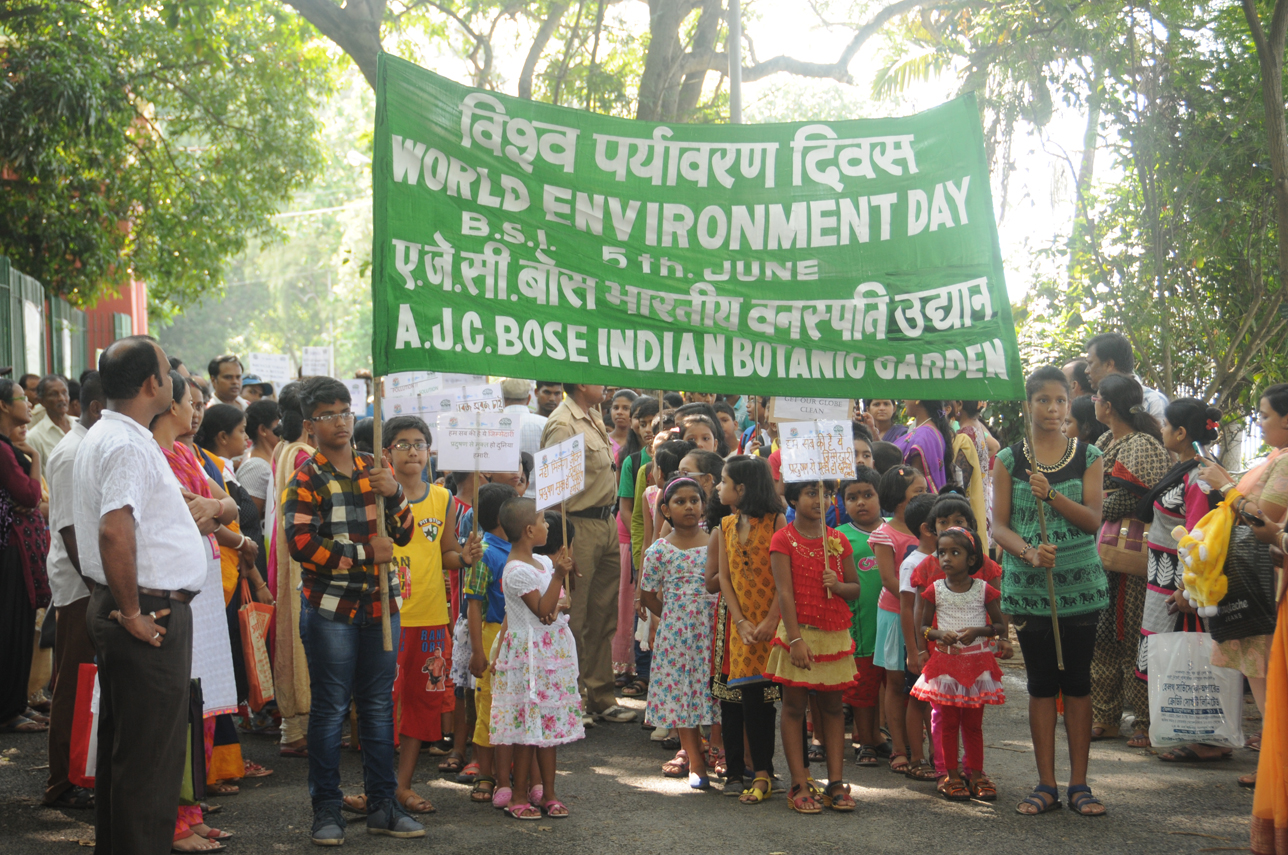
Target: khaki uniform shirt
{"type": "Point", "coordinates": [601, 481]}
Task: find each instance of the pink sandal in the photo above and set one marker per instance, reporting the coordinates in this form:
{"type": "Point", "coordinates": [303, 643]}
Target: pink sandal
{"type": "Point", "coordinates": [555, 809]}
{"type": "Point", "coordinates": [523, 811]}
{"type": "Point", "coordinates": [502, 797]}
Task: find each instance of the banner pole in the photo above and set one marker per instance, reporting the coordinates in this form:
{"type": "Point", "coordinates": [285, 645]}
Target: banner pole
{"type": "Point", "coordinates": [382, 570]}
{"type": "Point", "coordinates": [476, 475]}
{"type": "Point", "coordinates": [1042, 528]}
{"type": "Point", "coordinates": [735, 62]}
{"type": "Point", "coordinates": [563, 518]}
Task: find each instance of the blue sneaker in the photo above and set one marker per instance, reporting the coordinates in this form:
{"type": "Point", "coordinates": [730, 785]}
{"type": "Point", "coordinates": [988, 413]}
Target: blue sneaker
{"type": "Point", "coordinates": [328, 826]}
{"type": "Point", "coordinates": [390, 819]}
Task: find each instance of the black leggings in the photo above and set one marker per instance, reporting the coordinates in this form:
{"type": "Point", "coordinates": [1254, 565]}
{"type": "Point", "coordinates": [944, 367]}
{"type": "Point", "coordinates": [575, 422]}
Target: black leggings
{"type": "Point", "coordinates": [1078, 644]}
{"type": "Point", "coordinates": [758, 717]}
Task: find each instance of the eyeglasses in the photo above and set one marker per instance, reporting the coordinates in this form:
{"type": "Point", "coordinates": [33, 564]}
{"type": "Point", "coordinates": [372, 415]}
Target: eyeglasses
{"type": "Point", "coordinates": [330, 417]}
{"type": "Point", "coordinates": [404, 445]}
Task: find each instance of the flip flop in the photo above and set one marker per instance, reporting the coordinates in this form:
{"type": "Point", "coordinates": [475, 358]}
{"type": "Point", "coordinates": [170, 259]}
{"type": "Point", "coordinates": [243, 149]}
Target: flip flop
{"type": "Point", "coordinates": [415, 803]}
{"type": "Point", "coordinates": [469, 774]}
{"type": "Point", "coordinates": [524, 811]}
{"type": "Point", "coordinates": [254, 770]}
{"type": "Point", "coordinates": [223, 789]}
{"type": "Point", "coordinates": [555, 809]}
{"type": "Point", "coordinates": [302, 752]}
{"type": "Point", "coordinates": [22, 724]}
{"type": "Point", "coordinates": [354, 804]}
{"type": "Point", "coordinates": [214, 834]}
{"type": "Point", "coordinates": [453, 764]}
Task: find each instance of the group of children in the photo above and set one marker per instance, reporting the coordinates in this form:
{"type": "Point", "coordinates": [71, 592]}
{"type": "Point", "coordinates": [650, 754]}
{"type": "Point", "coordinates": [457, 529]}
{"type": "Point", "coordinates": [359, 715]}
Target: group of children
{"type": "Point", "coordinates": [744, 596]}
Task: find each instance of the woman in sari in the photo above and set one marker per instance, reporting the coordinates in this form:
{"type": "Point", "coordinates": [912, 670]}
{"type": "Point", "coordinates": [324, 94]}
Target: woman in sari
{"type": "Point", "coordinates": [290, 667]}
{"type": "Point", "coordinates": [1135, 460]}
{"type": "Point", "coordinates": [925, 446]}
{"type": "Point", "coordinates": [212, 661]}
{"type": "Point", "coordinates": [979, 442]}
{"type": "Point", "coordinates": [1265, 492]}
{"type": "Point", "coordinates": [220, 436]}
{"type": "Point", "coordinates": [24, 543]}
{"type": "Point", "coordinates": [1270, 802]}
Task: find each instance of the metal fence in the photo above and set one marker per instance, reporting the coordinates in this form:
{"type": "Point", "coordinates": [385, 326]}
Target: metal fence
{"type": "Point", "coordinates": [38, 334]}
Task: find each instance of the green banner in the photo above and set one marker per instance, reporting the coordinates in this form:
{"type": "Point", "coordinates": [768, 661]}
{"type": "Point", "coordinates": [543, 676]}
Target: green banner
{"type": "Point", "coordinates": [829, 259]}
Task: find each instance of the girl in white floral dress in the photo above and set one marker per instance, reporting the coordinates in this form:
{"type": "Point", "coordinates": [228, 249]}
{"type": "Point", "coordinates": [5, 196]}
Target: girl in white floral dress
{"type": "Point", "coordinates": [673, 585]}
{"type": "Point", "coordinates": [535, 704]}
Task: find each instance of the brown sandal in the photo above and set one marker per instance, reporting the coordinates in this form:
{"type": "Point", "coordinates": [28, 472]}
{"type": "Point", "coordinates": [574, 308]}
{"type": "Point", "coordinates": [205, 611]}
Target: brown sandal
{"type": "Point", "coordinates": [922, 770]}
{"type": "Point", "coordinates": [982, 788]}
{"type": "Point", "coordinates": [953, 789]}
{"type": "Point", "coordinates": [800, 798]}
{"type": "Point", "coordinates": [484, 787]}
{"type": "Point", "coordinates": [837, 797]}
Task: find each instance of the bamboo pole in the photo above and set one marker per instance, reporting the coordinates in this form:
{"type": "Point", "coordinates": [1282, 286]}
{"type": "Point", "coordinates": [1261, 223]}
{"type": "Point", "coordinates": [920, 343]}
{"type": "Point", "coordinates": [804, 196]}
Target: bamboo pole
{"type": "Point", "coordinates": [382, 570]}
{"type": "Point", "coordinates": [1042, 528]}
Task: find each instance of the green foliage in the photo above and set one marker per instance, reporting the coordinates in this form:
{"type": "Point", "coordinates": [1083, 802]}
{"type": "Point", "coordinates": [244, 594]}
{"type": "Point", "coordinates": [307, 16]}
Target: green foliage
{"type": "Point", "coordinates": [133, 146]}
{"type": "Point", "coordinates": [1179, 249]}
{"type": "Point", "coordinates": [311, 286]}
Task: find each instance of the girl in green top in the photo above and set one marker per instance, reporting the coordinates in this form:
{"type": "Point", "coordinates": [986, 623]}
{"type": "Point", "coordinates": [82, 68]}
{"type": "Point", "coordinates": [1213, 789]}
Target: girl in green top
{"type": "Point", "coordinates": [1066, 474]}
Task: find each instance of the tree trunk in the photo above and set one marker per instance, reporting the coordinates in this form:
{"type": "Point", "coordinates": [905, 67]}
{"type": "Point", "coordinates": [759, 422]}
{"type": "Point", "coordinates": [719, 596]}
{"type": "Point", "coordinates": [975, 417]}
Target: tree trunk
{"type": "Point", "coordinates": [1270, 56]}
{"type": "Point", "coordinates": [1081, 233]}
{"type": "Point", "coordinates": [354, 27]}
{"type": "Point", "coordinates": [657, 89]}
{"type": "Point", "coordinates": [704, 42]}
{"type": "Point", "coordinates": [547, 29]}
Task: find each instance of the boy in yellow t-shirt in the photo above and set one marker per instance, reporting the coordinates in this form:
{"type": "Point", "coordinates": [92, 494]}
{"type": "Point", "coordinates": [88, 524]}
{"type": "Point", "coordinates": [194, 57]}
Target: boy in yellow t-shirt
{"type": "Point", "coordinates": [423, 689]}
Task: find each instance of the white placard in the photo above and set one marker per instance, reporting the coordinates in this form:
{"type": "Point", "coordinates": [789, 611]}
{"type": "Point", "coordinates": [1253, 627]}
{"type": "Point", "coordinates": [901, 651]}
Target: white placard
{"type": "Point", "coordinates": [412, 383]}
{"type": "Point", "coordinates": [560, 471]}
{"type": "Point", "coordinates": [316, 362]}
{"type": "Point", "coordinates": [817, 451]}
{"type": "Point", "coordinates": [272, 368]}
{"type": "Point", "coordinates": [488, 442]}
{"type": "Point", "coordinates": [464, 380]}
{"type": "Point", "coordinates": [809, 409]}
{"type": "Point", "coordinates": [467, 399]}
{"type": "Point", "coordinates": [357, 394]}
{"type": "Point", "coordinates": [486, 398]}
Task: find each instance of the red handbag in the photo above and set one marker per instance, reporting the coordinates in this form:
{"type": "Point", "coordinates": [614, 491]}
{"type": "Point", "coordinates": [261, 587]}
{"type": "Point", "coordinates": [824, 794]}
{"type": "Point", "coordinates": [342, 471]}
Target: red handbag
{"type": "Point", "coordinates": [254, 619]}
{"type": "Point", "coordinates": [83, 761]}
{"type": "Point", "coordinates": [1123, 547]}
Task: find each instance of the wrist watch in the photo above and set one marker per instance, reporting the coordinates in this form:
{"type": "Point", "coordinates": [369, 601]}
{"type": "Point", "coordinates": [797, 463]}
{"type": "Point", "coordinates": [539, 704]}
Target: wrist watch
{"type": "Point", "coordinates": [1050, 496]}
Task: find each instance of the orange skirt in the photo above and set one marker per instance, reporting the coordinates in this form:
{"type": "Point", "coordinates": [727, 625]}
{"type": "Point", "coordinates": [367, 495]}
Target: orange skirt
{"type": "Point", "coordinates": [1270, 801]}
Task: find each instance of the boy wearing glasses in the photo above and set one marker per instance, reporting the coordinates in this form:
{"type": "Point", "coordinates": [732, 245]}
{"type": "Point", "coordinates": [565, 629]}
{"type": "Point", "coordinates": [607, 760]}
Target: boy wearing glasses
{"type": "Point", "coordinates": [424, 692]}
{"type": "Point", "coordinates": [330, 515]}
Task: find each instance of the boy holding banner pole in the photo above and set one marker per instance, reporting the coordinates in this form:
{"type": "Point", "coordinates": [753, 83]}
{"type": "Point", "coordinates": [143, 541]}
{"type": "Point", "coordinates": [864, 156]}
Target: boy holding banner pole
{"type": "Point", "coordinates": [330, 510]}
{"type": "Point", "coordinates": [595, 552]}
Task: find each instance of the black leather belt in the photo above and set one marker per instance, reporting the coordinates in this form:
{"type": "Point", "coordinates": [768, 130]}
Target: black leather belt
{"type": "Point", "coordinates": [180, 595]}
{"type": "Point", "coordinates": [603, 512]}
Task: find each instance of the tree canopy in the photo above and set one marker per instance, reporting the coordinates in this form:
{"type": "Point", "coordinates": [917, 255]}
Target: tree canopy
{"type": "Point", "coordinates": [131, 145]}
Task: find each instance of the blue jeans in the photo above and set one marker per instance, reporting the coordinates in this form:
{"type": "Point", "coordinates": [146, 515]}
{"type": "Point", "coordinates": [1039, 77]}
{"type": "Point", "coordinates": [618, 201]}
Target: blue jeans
{"type": "Point", "coordinates": [349, 661]}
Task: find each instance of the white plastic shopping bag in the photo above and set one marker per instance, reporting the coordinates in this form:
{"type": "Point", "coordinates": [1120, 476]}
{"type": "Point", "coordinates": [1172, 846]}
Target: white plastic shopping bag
{"type": "Point", "coordinates": [1190, 699]}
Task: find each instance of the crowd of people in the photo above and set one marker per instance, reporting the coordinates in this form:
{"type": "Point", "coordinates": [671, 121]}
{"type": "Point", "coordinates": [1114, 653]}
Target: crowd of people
{"type": "Point", "coordinates": [143, 505]}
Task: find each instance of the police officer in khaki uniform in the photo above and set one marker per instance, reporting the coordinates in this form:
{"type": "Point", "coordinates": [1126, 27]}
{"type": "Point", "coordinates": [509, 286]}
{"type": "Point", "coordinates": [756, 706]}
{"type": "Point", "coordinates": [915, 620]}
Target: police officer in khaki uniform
{"type": "Point", "coordinates": [594, 547]}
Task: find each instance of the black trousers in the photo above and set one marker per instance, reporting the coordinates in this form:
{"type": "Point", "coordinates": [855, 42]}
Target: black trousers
{"type": "Point", "coordinates": [72, 648]}
{"type": "Point", "coordinates": [142, 726]}
{"type": "Point", "coordinates": [757, 718]}
{"type": "Point", "coordinates": [17, 634]}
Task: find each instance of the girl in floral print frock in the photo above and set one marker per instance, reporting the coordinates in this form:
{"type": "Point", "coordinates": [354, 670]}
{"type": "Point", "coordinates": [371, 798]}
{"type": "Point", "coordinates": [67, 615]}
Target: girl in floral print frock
{"type": "Point", "coordinates": [535, 704]}
{"type": "Point", "coordinates": [673, 586]}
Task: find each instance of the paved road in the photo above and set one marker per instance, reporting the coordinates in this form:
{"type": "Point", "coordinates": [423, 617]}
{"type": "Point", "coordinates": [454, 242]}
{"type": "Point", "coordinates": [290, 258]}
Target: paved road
{"type": "Point", "coordinates": [612, 784]}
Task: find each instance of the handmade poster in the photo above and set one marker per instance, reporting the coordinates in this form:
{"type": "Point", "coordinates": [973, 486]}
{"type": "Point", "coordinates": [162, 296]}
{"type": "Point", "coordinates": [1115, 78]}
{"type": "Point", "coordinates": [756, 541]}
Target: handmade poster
{"type": "Point", "coordinates": [487, 442]}
{"type": "Point", "coordinates": [272, 368]}
{"type": "Point", "coordinates": [316, 362]}
{"type": "Point", "coordinates": [560, 471]}
{"type": "Point", "coordinates": [406, 383]}
{"type": "Point", "coordinates": [808, 409]}
{"type": "Point", "coordinates": [357, 394]}
{"type": "Point", "coordinates": [833, 259]}
{"type": "Point", "coordinates": [817, 451]}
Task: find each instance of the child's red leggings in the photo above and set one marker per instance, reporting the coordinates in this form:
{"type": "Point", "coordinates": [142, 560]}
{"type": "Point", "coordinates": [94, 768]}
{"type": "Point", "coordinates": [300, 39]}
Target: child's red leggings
{"type": "Point", "coordinates": [945, 722]}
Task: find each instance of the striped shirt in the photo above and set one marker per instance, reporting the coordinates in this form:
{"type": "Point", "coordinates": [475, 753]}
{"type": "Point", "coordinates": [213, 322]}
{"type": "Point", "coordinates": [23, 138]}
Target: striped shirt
{"type": "Point", "coordinates": [330, 521]}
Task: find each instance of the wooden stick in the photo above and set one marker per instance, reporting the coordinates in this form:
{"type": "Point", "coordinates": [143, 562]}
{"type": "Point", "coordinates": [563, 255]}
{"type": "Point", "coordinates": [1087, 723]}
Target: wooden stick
{"type": "Point", "coordinates": [563, 518]}
{"type": "Point", "coordinates": [1042, 528]}
{"type": "Point", "coordinates": [382, 570]}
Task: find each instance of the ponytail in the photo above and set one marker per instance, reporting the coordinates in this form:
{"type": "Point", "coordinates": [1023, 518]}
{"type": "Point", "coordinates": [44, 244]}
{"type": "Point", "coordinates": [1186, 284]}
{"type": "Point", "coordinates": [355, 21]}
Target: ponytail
{"type": "Point", "coordinates": [1202, 423]}
{"type": "Point", "coordinates": [1126, 398]}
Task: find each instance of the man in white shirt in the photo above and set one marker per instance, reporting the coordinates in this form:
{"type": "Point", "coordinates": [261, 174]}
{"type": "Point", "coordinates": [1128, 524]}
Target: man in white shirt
{"type": "Point", "coordinates": [226, 378]}
{"type": "Point", "coordinates": [516, 394]}
{"type": "Point", "coordinates": [72, 646]}
{"type": "Point", "coordinates": [139, 537]}
{"type": "Point", "coordinates": [52, 393]}
{"type": "Point", "coordinates": [1110, 353]}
